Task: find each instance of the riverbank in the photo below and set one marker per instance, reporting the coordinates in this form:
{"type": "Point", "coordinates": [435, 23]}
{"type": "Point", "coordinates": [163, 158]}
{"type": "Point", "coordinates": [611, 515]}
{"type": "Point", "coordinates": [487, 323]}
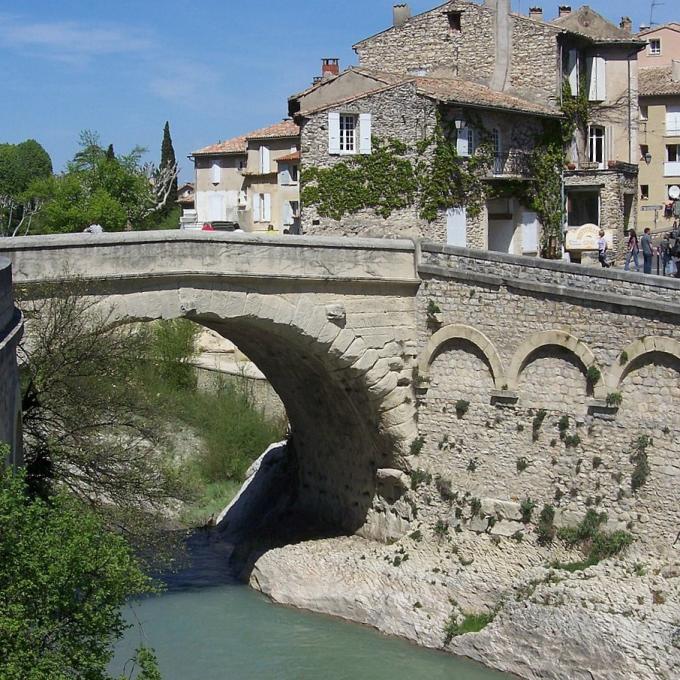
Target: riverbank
{"type": "Point", "coordinates": [613, 621]}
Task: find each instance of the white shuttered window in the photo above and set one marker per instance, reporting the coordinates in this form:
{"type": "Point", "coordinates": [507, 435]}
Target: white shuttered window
{"type": "Point", "coordinates": [334, 133]}
{"type": "Point", "coordinates": [673, 119]}
{"type": "Point", "coordinates": [265, 160]}
{"type": "Point", "coordinates": [573, 71]}
{"type": "Point", "coordinates": [266, 207]}
{"type": "Point", "coordinates": [216, 172]}
{"type": "Point", "coordinates": [597, 90]}
{"type": "Point", "coordinates": [365, 133]}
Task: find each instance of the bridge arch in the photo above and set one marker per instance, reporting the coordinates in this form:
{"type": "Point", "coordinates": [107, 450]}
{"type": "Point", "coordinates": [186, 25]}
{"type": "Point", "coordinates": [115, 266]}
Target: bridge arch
{"type": "Point", "coordinates": [467, 333]}
{"type": "Point", "coordinates": [349, 416]}
{"type": "Point", "coordinates": [555, 338]}
{"type": "Point", "coordinates": [632, 355]}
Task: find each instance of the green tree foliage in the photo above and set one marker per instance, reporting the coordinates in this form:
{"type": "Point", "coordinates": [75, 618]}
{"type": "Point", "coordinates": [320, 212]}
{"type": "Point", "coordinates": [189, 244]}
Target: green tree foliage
{"type": "Point", "coordinates": [21, 167]}
{"type": "Point", "coordinates": [117, 192]}
{"type": "Point", "coordinates": [168, 160]}
{"type": "Point", "coordinates": [63, 581]}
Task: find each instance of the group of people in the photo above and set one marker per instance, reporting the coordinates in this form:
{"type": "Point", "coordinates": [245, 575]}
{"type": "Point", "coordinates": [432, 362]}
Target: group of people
{"type": "Point", "coordinates": [668, 252]}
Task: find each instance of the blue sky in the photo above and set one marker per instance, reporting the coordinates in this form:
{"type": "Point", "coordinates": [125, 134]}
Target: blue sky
{"type": "Point", "coordinates": [214, 68]}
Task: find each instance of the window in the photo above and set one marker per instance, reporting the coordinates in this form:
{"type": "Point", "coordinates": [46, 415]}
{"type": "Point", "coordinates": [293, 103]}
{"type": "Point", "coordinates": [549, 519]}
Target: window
{"type": "Point", "coordinates": [496, 141]}
{"type": "Point", "coordinates": [265, 160]}
{"type": "Point", "coordinates": [290, 212]}
{"type": "Point", "coordinates": [644, 150]}
{"type": "Point", "coordinates": [583, 207]}
{"type": "Point", "coordinates": [216, 172]}
{"type": "Point", "coordinates": [597, 72]}
{"type": "Point", "coordinates": [673, 153]}
{"type": "Point", "coordinates": [294, 173]}
{"type": "Point", "coordinates": [573, 71]}
{"type": "Point", "coordinates": [348, 134]}
{"type": "Point", "coordinates": [262, 207]}
{"type": "Point", "coordinates": [465, 141]}
{"type": "Point", "coordinates": [644, 192]}
{"type": "Point", "coordinates": [655, 47]}
{"type": "Point", "coordinates": [596, 145]}
{"type": "Point", "coordinates": [644, 112]}
{"type": "Point", "coordinates": [454, 21]}
{"type": "Point", "coordinates": [673, 120]}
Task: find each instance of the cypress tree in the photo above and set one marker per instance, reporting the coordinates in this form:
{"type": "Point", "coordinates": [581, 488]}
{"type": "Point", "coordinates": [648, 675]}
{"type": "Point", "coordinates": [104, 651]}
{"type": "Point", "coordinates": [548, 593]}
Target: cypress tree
{"type": "Point", "coordinates": [110, 153]}
{"type": "Point", "coordinates": [168, 158]}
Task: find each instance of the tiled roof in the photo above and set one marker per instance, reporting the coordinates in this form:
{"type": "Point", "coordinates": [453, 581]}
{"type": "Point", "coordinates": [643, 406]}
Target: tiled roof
{"type": "Point", "coordinates": [286, 128]}
{"type": "Point", "coordinates": [589, 23]}
{"type": "Point", "coordinates": [657, 81]}
{"type": "Point", "coordinates": [233, 145]}
{"type": "Point", "coordinates": [238, 145]}
{"type": "Point", "coordinates": [295, 156]}
{"type": "Point", "coordinates": [673, 25]}
{"type": "Point", "coordinates": [449, 90]}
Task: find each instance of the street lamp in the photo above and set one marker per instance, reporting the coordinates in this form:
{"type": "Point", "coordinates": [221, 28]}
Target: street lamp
{"type": "Point", "coordinates": [648, 158]}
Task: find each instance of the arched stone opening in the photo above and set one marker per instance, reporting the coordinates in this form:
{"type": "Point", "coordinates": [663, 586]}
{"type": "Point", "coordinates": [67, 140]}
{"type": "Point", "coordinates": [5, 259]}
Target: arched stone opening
{"type": "Point", "coordinates": [640, 350]}
{"type": "Point", "coordinates": [566, 347]}
{"type": "Point", "coordinates": [465, 335]}
{"type": "Point", "coordinates": [348, 415]}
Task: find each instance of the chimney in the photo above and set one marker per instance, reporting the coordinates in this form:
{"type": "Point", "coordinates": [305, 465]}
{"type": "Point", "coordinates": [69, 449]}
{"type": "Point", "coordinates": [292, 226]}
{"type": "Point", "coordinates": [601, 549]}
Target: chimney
{"type": "Point", "coordinates": [536, 13]}
{"type": "Point", "coordinates": [626, 25]}
{"type": "Point", "coordinates": [401, 14]}
{"type": "Point", "coordinates": [675, 70]}
{"type": "Point", "coordinates": [564, 11]}
{"type": "Point", "coordinates": [330, 68]}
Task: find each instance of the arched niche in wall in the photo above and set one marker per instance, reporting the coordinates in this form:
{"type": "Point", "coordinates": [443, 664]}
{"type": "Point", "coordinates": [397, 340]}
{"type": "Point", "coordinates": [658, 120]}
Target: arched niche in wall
{"type": "Point", "coordinates": [647, 375]}
{"type": "Point", "coordinates": [459, 337]}
{"type": "Point", "coordinates": [549, 370]}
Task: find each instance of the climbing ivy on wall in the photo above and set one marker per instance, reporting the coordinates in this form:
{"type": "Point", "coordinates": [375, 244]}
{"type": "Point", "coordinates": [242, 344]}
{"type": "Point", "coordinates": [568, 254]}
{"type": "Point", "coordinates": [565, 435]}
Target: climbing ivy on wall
{"type": "Point", "coordinates": [383, 180]}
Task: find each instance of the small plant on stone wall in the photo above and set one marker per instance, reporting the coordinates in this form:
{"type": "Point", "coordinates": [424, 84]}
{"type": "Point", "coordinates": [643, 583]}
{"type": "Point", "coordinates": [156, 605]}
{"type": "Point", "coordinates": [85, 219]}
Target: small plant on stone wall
{"type": "Point", "coordinates": [545, 530]}
{"type": "Point", "coordinates": [666, 430]}
{"type": "Point", "coordinates": [553, 443]}
{"type": "Point", "coordinates": [441, 528]}
{"type": "Point", "coordinates": [597, 462]}
{"type": "Point", "coordinates": [571, 441]}
{"type": "Point", "coordinates": [517, 536]}
{"type": "Point", "coordinates": [537, 423]}
{"type": "Point", "coordinates": [522, 464]}
{"type": "Point", "coordinates": [444, 488]}
{"type": "Point", "coordinates": [433, 308]}
{"type": "Point", "coordinates": [475, 506]}
{"type": "Point", "coordinates": [641, 462]}
{"type": "Point", "coordinates": [467, 623]}
{"type": "Point", "coordinates": [563, 426]}
{"type": "Point", "coordinates": [472, 464]}
{"type": "Point", "coordinates": [416, 535]}
{"type": "Point", "coordinates": [462, 407]}
{"type": "Point", "coordinates": [417, 446]}
{"type": "Point", "coordinates": [419, 477]}
{"type": "Point", "coordinates": [527, 507]}
{"type": "Point", "coordinates": [614, 399]}
{"type": "Point", "coordinates": [520, 427]}
{"type": "Point", "coordinates": [593, 374]}
{"type": "Point", "coordinates": [623, 358]}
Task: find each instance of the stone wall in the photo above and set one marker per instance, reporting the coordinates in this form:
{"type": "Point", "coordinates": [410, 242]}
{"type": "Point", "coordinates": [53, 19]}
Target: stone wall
{"type": "Point", "coordinates": [517, 348]}
{"type": "Point", "coordinates": [11, 325]}
{"type": "Point", "coordinates": [426, 45]}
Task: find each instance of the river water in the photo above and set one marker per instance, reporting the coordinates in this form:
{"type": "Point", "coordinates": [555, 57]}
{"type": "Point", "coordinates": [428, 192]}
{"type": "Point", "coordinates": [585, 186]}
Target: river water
{"type": "Point", "coordinates": [208, 626]}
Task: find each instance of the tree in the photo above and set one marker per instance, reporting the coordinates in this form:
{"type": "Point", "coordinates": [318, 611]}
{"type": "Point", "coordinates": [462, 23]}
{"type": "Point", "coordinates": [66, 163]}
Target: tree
{"type": "Point", "coordinates": [110, 153]}
{"type": "Point", "coordinates": [89, 428]}
{"type": "Point", "coordinates": [63, 581]}
{"type": "Point", "coordinates": [168, 160]}
{"type": "Point", "coordinates": [22, 166]}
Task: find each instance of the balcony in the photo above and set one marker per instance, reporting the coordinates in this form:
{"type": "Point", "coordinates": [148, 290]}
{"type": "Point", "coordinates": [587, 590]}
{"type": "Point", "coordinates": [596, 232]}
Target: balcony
{"type": "Point", "coordinates": [511, 164]}
{"type": "Point", "coordinates": [671, 169]}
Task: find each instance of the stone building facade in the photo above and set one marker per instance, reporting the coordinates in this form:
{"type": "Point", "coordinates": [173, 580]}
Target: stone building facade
{"type": "Point", "coordinates": [512, 72]}
{"type": "Point", "coordinates": [11, 326]}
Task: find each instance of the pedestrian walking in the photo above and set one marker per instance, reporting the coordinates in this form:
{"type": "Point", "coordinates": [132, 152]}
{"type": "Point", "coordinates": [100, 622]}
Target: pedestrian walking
{"type": "Point", "coordinates": [602, 249]}
{"type": "Point", "coordinates": [665, 254]}
{"type": "Point", "coordinates": [633, 250]}
{"type": "Point", "coordinates": [647, 251]}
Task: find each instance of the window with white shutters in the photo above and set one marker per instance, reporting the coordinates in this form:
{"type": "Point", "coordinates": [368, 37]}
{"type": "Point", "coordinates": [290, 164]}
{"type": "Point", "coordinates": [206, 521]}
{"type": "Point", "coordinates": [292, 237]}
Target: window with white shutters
{"type": "Point", "coordinates": [265, 160]}
{"type": "Point", "coordinates": [257, 207]}
{"type": "Point", "coordinates": [655, 47]}
{"type": "Point", "coordinates": [333, 133]}
{"type": "Point", "coordinates": [596, 145]}
{"type": "Point", "coordinates": [365, 144]}
{"type": "Point", "coordinates": [266, 207]}
{"type": "Point", "coordinates": [216, 172]}
{"type": "Point", "coordinates": [673, 120]}
{"type": "Point", "coordinates": [284, 174]}
{"type": "Point", "coordinates": [573, 71]}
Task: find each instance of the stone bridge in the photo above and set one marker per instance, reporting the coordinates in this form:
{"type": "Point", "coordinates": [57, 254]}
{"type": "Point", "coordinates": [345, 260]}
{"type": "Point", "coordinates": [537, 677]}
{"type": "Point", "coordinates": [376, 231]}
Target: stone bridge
{"type": "Point", "coordinates": [379, 348]}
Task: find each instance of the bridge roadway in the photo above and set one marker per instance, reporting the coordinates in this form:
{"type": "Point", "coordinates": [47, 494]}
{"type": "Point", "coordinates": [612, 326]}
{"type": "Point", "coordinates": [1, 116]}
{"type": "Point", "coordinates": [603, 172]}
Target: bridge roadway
{"type": "Point", "coordinates": [341, 330]}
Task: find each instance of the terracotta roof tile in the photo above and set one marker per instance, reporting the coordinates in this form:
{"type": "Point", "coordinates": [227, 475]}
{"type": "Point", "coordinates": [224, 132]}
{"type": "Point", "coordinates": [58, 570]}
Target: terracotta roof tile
{"type": "Point", "coordinates": [449, 90]}
{"type": "Point", "coordinates": [657, 81]}
{"type": "Point", "coordinates": [238, 145]}
{"type": "Point", "coordinates": [589, 23]}
{"type": "Point", "coordinates": [295, 156]}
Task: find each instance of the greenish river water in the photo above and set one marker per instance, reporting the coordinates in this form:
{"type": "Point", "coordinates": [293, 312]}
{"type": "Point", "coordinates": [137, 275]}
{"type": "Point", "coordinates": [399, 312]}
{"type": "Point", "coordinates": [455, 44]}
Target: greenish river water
{"type": "Point", "coordinates": [207, 626]}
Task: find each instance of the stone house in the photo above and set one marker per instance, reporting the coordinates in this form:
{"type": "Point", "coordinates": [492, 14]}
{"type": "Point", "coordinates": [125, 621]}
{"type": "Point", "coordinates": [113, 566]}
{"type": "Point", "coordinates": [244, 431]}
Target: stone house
{"type": "Point", "coordinates": [659, 127]}
{"type": "Point", "coordinates": [493, 81]}
{"type": "Point", "coordinates": [251, 180]}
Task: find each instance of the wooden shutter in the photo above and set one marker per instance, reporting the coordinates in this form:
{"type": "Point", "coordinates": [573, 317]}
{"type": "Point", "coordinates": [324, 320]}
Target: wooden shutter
{"type": "Point", "coordinates": [609, 150]}
{"type": "Point", "coordinates": [456, 227]}
{"type": "Point", "coordinates": [462, 142]}
{"type": "Point", "coordinates": [672, 120]}
{"type": "Point", "coordinates": [597, 67]}
{"type": "Point", "coordinates": [284, 174]}
{"type": "Point", "coordinates": [267, 217]}
{"type": "Point", "coordinates": [287, 212]}
{"type": "Point", "coordinates": [334, 133]}
{"type": "Point", "coordinates": [265, 161]}
{"type": "Point", "coordinates": [216, 172]}
{"type": "Point", "coordinates": [530, 233]}
{"type": "Point", "coordinates": [257, 208]}
{"type": "Point", "coordinates": [365, 146]}
{"type": "Point", "coordinates": [573, 71]}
